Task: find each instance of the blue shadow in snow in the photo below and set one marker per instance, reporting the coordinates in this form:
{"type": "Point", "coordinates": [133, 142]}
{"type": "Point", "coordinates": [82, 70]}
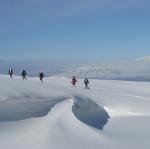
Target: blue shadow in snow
{"type": "Point", "coordinates": [90, 113]}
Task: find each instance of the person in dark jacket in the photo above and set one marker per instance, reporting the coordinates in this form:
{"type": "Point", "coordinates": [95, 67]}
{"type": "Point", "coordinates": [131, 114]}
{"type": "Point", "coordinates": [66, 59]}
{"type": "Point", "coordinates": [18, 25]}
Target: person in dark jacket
{"type": "Point", "coordinates": [10, 72]}
{"type": "Point", "coordinates": [74, 81]}
{"type": "Point", "coordinates": [86, 82]}
{"type": "Point", "coordinates": [23, 74]}
{"type": "Point", "coordinates": [41, 76]}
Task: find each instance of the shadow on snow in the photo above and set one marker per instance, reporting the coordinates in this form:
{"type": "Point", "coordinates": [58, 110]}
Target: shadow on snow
{"type": "Point", "coordinates": [90, 113]}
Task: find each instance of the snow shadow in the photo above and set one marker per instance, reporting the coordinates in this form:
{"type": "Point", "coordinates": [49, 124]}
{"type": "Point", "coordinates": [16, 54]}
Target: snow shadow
{"type": "Point", "coordinates": [90, 113]}
{"type": "Point", "coordinates": [14, 110]}
{"type": "Point", "coordinates": [86, 110]}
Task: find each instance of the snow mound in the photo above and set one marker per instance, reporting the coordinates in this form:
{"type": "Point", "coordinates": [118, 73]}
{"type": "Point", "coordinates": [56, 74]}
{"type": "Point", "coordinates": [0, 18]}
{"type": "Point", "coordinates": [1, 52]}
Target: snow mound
{"type": "Point", "coordinates": [29, 105]}
{"type": "Point", "coordinates": [52, 114]}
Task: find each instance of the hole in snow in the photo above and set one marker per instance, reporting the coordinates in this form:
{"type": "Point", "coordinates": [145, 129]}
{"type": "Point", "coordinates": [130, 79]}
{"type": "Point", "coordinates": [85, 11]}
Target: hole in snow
{"type": "Point", "coordinates": [90, 113]}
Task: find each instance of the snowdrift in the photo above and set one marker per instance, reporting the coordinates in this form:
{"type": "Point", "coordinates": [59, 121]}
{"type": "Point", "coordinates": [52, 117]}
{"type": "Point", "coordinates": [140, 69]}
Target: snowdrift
{"type": "Point", "coordinates": [35, 115]}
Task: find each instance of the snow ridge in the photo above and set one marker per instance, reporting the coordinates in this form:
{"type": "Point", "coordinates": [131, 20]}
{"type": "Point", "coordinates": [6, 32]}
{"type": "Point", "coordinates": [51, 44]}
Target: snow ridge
{"type": "Point", "coordinates": [74, 114]}
{"type": "Point", "coordinates": [25, 106]}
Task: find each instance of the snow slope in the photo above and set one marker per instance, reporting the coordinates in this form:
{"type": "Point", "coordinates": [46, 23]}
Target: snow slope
{"type": "Point", "coordinates": [54, 115]}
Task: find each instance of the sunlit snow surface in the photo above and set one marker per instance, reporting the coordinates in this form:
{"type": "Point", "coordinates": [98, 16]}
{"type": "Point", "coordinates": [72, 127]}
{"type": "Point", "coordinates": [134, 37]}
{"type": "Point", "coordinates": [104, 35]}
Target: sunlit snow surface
{"type": "Point", "coordinates": [35, 115]}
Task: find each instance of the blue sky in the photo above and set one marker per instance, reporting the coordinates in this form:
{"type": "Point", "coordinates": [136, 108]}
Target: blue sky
{"type": "Point", "coordinates": [78, 30]}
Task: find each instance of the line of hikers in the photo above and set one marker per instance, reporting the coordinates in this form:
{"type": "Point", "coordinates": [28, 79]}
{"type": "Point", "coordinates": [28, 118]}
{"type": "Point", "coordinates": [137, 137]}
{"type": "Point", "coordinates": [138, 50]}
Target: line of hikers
{"type": "Point", "coordinates": [41, 76]}
{"type": "Point", "coordinates": [24, 74]}
{"type": "Point", "coordinates": [86, 82]}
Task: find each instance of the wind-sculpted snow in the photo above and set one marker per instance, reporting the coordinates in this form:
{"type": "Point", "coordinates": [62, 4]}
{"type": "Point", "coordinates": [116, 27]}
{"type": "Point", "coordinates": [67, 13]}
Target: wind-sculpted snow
{"type": "Point", "coordinates": [90, 113]}
{"type": "Point", "coordinates": [85, 110]}
{"type": "Point", "coordinates": [25, 106]}
{"type": "Point", "coordinates": [14, 110]}
{"type": "Point", "coordinates": [35, 115]}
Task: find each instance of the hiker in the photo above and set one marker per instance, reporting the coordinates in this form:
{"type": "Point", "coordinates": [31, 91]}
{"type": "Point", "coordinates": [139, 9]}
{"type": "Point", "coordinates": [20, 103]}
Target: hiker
{"type": "Point", "coordinates": [86, 82]}
{"type": "Point", "coordinates": [74, 81]}
{"type": "Point", "coordinates": [41, 76]}
{"type": "Point", "coordinates": [24, 75]}
{"type": "Point", "coordinates": [10, 72]}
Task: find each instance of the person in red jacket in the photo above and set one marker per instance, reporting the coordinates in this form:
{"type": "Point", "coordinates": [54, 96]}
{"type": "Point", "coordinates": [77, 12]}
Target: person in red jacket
{"type": "Point", "coordinates": [74, 81]}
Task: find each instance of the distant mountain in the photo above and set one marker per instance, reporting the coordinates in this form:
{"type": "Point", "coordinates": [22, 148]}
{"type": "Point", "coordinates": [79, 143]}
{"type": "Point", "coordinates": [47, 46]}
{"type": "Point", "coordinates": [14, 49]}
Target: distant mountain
{"type": "Point", "coordinates": [136, 70]}
{"type": "Point", "coordinates": [143, 59]}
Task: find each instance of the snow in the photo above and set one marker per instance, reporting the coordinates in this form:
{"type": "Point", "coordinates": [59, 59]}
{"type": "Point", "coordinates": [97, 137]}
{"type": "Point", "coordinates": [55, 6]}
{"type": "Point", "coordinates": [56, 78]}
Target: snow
{"type": "Point", "coordinates": [52, 114]}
